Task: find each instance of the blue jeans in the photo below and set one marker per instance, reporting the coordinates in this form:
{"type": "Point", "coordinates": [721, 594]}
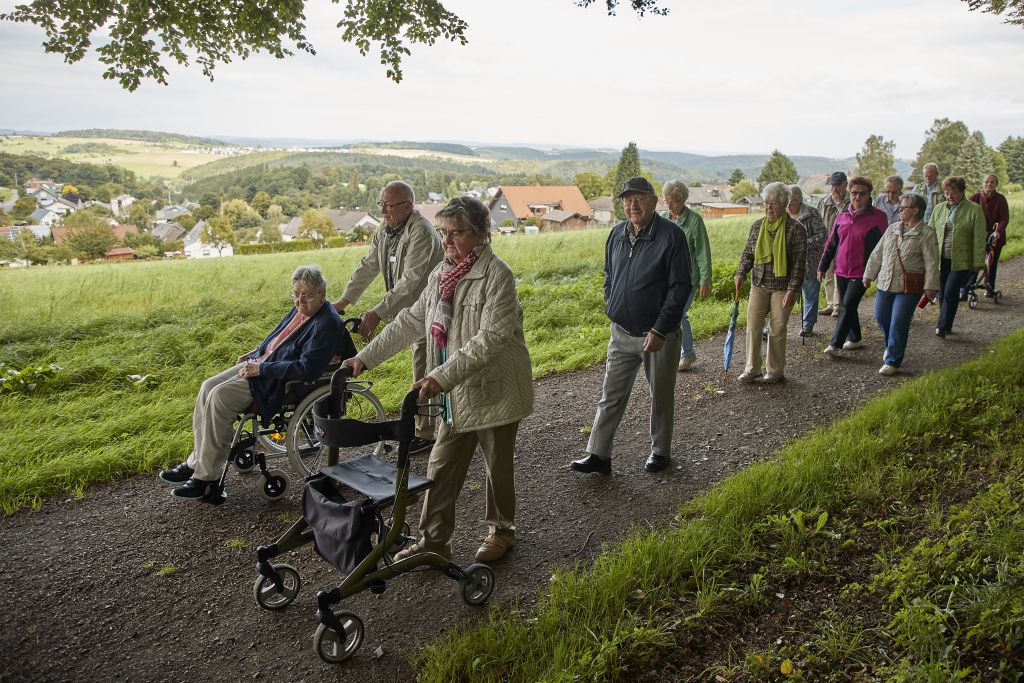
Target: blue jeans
{"type": "Point", "coordinates": [811, 289]}
{"type": "Point", "coordinates": [894, 311]}
{"type": "Point", "coordinates": [950, 284]}
{"type": "Point", "coordinates": [686, 348]}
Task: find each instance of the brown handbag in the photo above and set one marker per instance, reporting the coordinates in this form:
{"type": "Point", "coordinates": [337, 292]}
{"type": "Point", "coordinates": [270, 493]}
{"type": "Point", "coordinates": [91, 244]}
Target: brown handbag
{"type": "Point", "coordinates": [913, 283]}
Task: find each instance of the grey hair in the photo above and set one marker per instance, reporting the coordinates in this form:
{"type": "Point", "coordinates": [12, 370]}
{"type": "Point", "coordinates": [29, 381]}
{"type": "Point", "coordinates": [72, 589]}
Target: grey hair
{"type": "Point", "coordinates": [404, 187]}
{"type": "Point", "coordinates": [917, 202]}
{"type": "Point", "coordinates": [778, 190]}
{"type": "Point", "coordinates": [796, 193]}
{"type": "Point", "coordinates": [311, 277]}
{"type": "Point", "coordinates": [930, 165]}
{"type": "Point", "coordinates": [895, 179]}
{"type": "Point", "coordinates": [676, 188]}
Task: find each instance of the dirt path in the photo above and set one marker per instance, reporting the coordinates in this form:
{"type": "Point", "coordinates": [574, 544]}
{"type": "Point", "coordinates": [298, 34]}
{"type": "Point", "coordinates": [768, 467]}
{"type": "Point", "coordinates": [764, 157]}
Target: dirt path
{"type": "Point", "coordinates": [85, 599]}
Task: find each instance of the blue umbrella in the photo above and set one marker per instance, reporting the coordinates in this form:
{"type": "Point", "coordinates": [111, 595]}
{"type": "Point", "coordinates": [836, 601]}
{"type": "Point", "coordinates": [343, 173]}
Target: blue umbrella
{"type": "Point", "coordinates": [730, 336]}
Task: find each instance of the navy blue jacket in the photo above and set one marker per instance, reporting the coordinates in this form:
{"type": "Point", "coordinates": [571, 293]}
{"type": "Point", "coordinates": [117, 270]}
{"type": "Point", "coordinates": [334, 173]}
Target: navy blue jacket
{"type": "Point", "coordinates": [301, 357]}
{"type": "Point", "coordinates": [646, 285]}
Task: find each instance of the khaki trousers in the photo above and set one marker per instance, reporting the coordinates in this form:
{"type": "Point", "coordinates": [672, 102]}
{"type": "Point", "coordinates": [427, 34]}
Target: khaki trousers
{"type": "Point", "coordinates": [221, 398]}
{"type": "Point", "coordinates": [447, 467]}
{"type": "Point", "coordinates": [424, 423]}
{"type": "Point", "coordinates": [830, 287]}
{"type": "Point", "coordinates": [763, 304]}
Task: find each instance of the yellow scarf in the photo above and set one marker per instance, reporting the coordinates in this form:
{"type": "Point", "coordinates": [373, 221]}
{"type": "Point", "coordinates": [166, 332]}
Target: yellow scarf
{"type": "Point", "coordinates": [771, 245]}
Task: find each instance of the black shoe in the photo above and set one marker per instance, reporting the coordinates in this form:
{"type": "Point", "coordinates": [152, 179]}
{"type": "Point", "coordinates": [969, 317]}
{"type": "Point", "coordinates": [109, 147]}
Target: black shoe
{"type": "Point", "coordinates": [177, 474]}
{"type": "Point", "coordinates": [963, 296]}
{"type": "Point", "coordinates": [194, 489]}
{"type": "Point", "coordinates": [592, 463]}
{"type": "Point", "coordinates": [418, 445]}
{"type": "Point", "coordinates": [656, 463]}
{"type": "Point", "coordinates": [941, 334]}
{"type": "Point", "coordinates": [807, 332]}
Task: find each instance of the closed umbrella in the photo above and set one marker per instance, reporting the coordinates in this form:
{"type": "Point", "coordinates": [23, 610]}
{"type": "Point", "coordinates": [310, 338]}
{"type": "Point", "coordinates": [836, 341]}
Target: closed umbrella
{"type": "Point", "coordinates": [730, 336]}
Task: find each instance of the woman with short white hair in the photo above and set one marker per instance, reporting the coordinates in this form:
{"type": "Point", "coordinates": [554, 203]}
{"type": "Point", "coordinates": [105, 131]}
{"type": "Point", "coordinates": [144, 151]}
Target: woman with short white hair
{"type": "Point", "coordinates": [676, 193]}
{"type": "Point", "coordinates": [775, 258]}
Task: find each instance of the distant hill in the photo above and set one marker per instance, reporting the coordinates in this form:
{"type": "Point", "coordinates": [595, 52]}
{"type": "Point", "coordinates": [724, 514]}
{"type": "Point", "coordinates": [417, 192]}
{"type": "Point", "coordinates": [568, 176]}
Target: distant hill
{"type": "Point", "coordinates": [140, 135]}
{"type": "Point", "coordinates": [442, 147]}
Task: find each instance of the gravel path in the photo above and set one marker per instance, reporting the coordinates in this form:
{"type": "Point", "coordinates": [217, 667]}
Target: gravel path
{"type": "Point", "coordinates": [87, 600]}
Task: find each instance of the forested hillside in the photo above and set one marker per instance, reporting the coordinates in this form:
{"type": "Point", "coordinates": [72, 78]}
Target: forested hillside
{"type": "Point", "coordinates": [142, 135]}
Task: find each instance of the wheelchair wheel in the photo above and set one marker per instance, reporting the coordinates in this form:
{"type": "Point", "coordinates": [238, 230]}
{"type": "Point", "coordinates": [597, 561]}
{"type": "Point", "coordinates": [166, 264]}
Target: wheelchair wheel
{"type": "Point", "coordinates": [267, 595]}
{"type": "Point", "coordinates": [478, 585]}
{"type": "Point", "coordinates": [305, 452]}
{"type": "Point", "coordinates": [334, 647]}
{"type": "Point", "coordinates": [274, 485]}
{"type": "Point", "coordinates": [245, 460]}
{"type": "Point", "coordinates": [274, 443]}
{"type": "Point", "coordinates": [972, 300]}
{"type": "Point", "coordinates": [997, 296]}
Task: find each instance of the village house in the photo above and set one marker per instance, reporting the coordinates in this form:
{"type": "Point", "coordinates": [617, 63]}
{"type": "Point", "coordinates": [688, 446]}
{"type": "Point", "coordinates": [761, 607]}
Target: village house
{"type": "Point", "coordinates": [169, 232]}
{"type": "Point", "coordinates": [429, 211]}
{"type": "Point", "coordinates": [344, 223]}
{"type": "Point", "coordinates": [603, 209]}
{"type": "Point", "coordinates": [516, 203]}
{"type": "Point", "coordinates": [170, 213]}
{"type": "Point", "coordinates": [120, 254]}
{"type": "Point", "coordinates": [555, 221]}
{"type": "Point", "coordinates": [723, 209]}
{"type": "Point", "coordinates": [195, 247]}
{"type": "Point", "coordinates": [34, 184]}
{"type": "Point", "coordinates": [709, 194]}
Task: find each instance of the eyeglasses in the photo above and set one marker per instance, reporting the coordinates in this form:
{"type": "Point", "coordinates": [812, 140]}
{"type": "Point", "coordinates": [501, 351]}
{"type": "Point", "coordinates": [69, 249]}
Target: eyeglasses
{"type": "Point", "coordinates": [384, 206]}
{"type": "Point", "coordinates": [905, 206]}
{"type": "Point", "coordinates": [636, 199]}
{"type": "Point", "coordinates": [302, 298]}
{"type": "Point", "coordinates": [857, 194]}
{"type": "Point", "coordinates": [451, 234]}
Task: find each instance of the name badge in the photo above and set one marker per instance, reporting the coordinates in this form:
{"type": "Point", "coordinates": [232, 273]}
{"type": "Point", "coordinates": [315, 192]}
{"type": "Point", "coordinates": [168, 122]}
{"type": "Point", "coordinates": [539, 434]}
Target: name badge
{"type": "Point", "coordinates": [392, 259]}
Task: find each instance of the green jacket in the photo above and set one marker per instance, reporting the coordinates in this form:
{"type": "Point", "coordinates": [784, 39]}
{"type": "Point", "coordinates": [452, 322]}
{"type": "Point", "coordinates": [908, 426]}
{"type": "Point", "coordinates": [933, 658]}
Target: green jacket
{"type": "Point", "coordinates": [968, 247]}
{"type": "Point", "coordinates": [700, 247]}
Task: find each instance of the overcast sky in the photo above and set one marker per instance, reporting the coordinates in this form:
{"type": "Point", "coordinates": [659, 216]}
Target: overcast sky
{"type": "Point", "coordinates": [746, 76]}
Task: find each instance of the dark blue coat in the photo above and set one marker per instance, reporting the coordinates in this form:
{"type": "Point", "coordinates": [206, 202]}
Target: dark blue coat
{"type": "Point", "coordinates": [302, 357]}
{"type": "Point", "coordinates": [646, 284]}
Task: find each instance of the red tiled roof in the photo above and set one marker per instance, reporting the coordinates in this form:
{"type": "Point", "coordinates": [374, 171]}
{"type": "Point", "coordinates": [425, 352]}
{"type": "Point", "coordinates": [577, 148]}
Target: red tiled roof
{"type": "Point", "coordinates": [120, 251]}
{"type": "Point", "coordinates": [565, 197]}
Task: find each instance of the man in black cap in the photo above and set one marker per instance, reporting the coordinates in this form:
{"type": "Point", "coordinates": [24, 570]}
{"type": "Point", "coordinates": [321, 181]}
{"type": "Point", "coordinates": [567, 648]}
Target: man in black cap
{"type": "Point", "coordinates": [830, 207]}
{"type": "Point", "coordinates": [646, 285]}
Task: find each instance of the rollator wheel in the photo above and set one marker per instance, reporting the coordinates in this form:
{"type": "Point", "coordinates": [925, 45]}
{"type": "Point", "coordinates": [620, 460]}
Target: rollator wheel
{"type": "Point", "coordinates": [972, 300]}
{"type": "Point", "coordinates": [997, 297]}
{"type": "Point", "coordinates": [245, 461]}
{"type": "Point", "coordinates": [402, 541]}
{"type": "Point", "coordinates": [478, 584]}
{"type": "Point", "coordinates": [334, 647]}
{"type": "Point", "coordinates": [274, 484]}
{"type": "Point", "coordinates": [267, 595]}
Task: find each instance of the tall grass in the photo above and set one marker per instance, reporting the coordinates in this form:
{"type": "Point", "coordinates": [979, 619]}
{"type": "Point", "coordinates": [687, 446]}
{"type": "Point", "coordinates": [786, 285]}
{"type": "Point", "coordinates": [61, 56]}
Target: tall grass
{"type": "Point", "coordinates": [947, 433]}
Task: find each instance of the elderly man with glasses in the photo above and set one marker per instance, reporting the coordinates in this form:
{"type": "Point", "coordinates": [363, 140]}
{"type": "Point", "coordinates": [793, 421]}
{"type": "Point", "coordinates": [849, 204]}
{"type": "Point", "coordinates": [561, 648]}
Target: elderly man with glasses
{"type": "Point", "coordinates": [647, 283]}
{"type": "Point", "coordinates": [404, 250]}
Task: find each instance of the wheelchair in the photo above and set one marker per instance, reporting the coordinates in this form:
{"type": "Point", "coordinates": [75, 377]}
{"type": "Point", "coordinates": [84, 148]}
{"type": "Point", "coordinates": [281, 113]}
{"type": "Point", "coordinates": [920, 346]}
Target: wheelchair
{"type": "Point", "coordinates": [291, 433]}
{"type": "Point", "coordinates": [354, 536]}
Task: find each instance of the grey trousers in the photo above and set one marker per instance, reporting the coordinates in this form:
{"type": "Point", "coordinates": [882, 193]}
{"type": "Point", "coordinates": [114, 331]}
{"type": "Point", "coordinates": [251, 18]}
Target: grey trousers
{"type": "Point", "coordinates": [447, 467]}
{"type": "Point", "coordinates": [424, 424]}
{"type": "Point", "coordinates": [221, 398]}
{"type": "Point", "coordinates": [625, 356]}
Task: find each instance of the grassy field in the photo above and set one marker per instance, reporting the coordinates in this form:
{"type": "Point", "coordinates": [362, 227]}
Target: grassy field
{"type": "Point", "coordinates": [896, 537]}
{"type": "Point", "coordinates": [177, 322]}
{"type": "Point", "coordinates": [146, 159]}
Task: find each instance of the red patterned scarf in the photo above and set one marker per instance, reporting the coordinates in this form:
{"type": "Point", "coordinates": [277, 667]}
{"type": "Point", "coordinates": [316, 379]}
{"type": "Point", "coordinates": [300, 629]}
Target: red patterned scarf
{"type": "Point", "coordinates": [443, 314]}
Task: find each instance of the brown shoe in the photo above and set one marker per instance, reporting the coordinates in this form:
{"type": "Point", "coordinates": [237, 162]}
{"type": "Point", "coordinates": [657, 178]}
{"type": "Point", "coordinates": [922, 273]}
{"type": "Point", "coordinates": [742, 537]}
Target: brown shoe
{"type": "Point", "coordinates": [418, 548]}
{"type": "Point", "coordinates": [494, 547]}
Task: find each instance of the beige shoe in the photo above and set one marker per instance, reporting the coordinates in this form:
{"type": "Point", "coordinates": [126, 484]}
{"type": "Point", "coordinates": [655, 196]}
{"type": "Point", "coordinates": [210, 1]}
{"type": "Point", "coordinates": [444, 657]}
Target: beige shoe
{"type": "Point", "coordinates": [418, 548]}
{"type": "Point", "coordinates": [494, 547]}
{"type": "Point", "coordinates": [836, 311]}
{"type": "Point", "coordinates": [888, 370]}
{"type": "Point", "coordinates": [748, 377]}
{"type": "Point", "coordinates": [686, 361]}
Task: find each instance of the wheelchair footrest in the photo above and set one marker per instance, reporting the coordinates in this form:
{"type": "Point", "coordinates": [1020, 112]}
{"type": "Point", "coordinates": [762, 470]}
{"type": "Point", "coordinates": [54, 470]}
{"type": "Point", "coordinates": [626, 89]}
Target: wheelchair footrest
{"type": "Point", "coordinates": [372, 477]}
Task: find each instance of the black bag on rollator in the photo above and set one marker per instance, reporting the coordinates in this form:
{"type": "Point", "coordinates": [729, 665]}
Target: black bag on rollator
{"type": "Point", "coordinates": [341, 529]}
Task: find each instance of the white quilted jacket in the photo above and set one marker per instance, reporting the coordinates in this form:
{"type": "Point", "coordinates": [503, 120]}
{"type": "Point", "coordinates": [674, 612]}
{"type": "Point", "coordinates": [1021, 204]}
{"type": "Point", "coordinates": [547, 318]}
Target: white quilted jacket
{"type": "Point", "coordinates": [487, 375]}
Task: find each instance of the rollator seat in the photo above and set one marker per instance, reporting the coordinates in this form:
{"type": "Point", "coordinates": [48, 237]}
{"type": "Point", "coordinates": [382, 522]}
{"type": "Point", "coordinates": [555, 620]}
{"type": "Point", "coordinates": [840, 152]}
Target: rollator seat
{"type": "Point", "coordinates": [372, 477]}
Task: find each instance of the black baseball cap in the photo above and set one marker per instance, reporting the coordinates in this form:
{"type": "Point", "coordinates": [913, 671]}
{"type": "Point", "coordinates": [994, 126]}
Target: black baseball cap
{"type": "Point", "coordinates": [837, 178]}
{"type": "Point", "coordinates": [637, 184]}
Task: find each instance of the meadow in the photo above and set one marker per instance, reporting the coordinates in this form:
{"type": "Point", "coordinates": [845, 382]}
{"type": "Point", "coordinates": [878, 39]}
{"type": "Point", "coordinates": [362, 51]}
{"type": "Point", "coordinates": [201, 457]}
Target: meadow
{"type": "Point", "coordinates": [134, 341]}
{"type": "Point", "coordinates": [146, 159]}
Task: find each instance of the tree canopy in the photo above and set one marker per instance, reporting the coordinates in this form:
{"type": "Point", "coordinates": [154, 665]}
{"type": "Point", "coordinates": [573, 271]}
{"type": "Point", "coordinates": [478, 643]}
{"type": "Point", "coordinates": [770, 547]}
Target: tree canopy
{"type": "Point", "coordinates": [628, 167]}
{"type": "Point", "coordinates": [875, 161]}
{"type": "Point", "coordinates": [144, 36]}
{"type": "Point", "coordinates": [1013, 9]}
{"type": "Point", "coordinates": [778, 168]}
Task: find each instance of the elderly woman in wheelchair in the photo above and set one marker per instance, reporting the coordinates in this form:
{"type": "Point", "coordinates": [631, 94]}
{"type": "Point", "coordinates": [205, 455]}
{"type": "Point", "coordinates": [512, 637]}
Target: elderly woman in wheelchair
{"type": "Point", "coordinates": [300, 349]}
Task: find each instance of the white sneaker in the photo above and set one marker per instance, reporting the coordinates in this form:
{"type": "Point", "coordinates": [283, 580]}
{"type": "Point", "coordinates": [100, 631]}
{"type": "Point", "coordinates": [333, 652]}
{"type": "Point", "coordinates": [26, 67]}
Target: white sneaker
{"type": "Point", "coordinates": [832, 351]}
{"type": "Point", "coordinates": [888, 370]}
{"type": "Point", "coordinates": [686, 361]}
{"type": "Point", "coordinates": [748, 377]}
{"type": "Point", "coordinates": [851, 345]}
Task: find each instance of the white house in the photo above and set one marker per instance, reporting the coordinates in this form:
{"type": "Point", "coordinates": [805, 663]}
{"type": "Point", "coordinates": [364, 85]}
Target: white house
{"type": "Point", "coordinates": [196, 248]}
{"type": "Point", "coordinates": [46, 218]}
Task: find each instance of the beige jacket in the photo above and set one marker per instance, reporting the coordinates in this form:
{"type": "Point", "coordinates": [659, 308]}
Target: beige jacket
{"type": "Point", "coordinates": [487, 375]}
{"type": "Point", "coordinates": [419, 250]}
{"type": "Point", "coordinates": [919, 250]}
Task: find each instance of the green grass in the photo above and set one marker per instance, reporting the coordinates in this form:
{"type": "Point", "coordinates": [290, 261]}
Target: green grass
{"type": "Point", "coordinates": [919, 492]}
{"type": "Point", "coordinates": [177, 322]}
